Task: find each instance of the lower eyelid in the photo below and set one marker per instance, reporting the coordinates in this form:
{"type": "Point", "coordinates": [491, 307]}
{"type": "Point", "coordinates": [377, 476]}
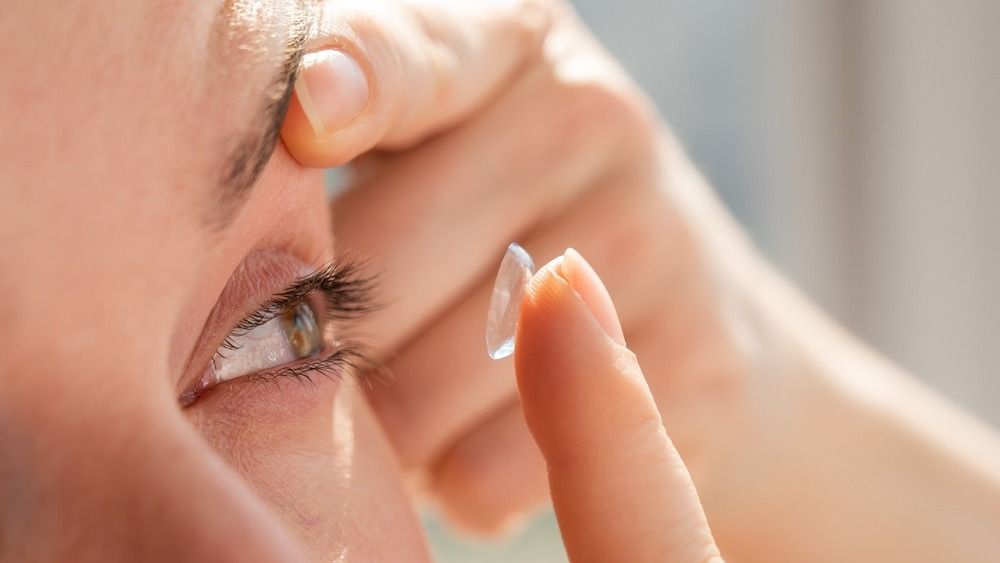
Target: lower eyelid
{"type": "Point", "coordinates": [344, 360]}
{"type": "Point", "coordinates": [333, 365]}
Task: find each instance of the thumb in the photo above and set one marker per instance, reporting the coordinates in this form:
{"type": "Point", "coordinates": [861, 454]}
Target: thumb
{"type": "Point", "coordinates": [619, 488]}
{"type": "Point", "coordinates": [389, 74]}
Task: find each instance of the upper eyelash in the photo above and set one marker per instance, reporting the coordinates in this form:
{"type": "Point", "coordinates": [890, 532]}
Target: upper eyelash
{"type": "Point", "coordinates": [345, 288]}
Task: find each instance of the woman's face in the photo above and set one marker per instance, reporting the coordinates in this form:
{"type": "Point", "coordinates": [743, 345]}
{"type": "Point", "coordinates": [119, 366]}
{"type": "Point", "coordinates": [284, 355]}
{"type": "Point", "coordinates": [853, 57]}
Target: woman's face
{"type": "Point", "coordinates": [147, 213]}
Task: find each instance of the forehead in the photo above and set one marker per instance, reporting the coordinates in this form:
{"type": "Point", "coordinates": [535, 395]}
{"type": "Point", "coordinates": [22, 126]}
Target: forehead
{"type": "Point", "coordinates": [141, 55]}
{"type": "Point", "coordinates": [128, 92]}
{"type": "Point", "coordinates": [117, 115]}
{"type": "Point", "coordinates": [254, 34]}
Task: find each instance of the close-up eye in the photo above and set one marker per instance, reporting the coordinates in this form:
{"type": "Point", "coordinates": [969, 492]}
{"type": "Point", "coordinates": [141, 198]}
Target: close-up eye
{"type": "Point", "coordinates": [295, 333]}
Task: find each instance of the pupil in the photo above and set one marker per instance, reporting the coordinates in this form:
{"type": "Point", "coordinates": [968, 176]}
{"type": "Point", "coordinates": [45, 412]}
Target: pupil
{"type": "Point", "coordinates": [302, 331]}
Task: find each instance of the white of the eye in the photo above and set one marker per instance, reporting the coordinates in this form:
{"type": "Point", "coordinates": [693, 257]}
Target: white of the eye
{"type": "Point", "coordinates": [266, 346]}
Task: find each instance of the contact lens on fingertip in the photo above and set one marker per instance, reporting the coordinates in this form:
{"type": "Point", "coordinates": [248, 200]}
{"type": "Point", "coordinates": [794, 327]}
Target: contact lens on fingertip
{"type": "Point", "coordinates": [516, 270]}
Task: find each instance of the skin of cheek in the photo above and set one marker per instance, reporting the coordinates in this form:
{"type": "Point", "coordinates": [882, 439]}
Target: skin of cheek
{"type": "Point", "coordinates": [316, 455]}
{"type": "Point", "coordinates": [92, 479]}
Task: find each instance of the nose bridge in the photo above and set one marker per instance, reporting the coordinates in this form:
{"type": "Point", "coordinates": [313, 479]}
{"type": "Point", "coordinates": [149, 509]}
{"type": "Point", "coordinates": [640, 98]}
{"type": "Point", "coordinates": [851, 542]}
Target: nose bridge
{"type": "Point", "coordinates": [135, 484]}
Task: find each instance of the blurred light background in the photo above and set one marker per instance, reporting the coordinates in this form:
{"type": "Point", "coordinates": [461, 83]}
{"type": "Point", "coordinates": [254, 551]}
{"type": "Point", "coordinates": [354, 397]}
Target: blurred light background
{"type": "Point", "coordinates": [859, 142]}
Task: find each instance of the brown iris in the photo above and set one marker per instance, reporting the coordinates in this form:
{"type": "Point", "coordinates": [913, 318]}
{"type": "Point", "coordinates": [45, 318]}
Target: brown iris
{"type": "Point", "coordinates": [303, 332]}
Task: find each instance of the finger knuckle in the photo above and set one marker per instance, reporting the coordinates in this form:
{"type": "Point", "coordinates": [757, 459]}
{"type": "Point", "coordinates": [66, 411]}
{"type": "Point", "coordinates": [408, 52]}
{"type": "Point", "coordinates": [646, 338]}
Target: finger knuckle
{"type": "Point", "coordinates": [607, 120]}
{"type": "Point", "coordinates": [590, 94]}
{"type": "Point", "coordinates": [534, 18]}
{"type": "Point", "coordinates": [613, 108]}
{"type": "Point", "coordinates": [590, 87]}
{"type": "Point", "coordinates": [465, 481]}
{"type": "Point", "coordinates": [466, 475]}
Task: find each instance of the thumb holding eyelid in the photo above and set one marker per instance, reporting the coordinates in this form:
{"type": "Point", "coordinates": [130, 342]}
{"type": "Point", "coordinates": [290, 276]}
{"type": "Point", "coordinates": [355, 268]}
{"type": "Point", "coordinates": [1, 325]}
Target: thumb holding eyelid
{"type": "Point", "coordinates": [331, 90]}
{"type": "Point", "coordinates": [395, 73]}
{"type": "Point", "coordinates": [619, 488]}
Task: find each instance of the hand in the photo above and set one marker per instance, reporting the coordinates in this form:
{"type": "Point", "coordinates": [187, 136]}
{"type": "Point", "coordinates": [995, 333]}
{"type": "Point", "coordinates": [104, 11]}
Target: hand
{"type": "Point", "coordinates": [482, 122]}
{"type": "Point", "coordinates": [619, 488]}
{"type": "Point", "coordinates": [487, 122]}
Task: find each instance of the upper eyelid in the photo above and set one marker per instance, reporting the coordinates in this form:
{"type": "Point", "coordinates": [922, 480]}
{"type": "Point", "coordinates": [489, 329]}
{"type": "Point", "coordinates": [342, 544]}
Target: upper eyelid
{"type": "Point", "coordinates": [347, 293]}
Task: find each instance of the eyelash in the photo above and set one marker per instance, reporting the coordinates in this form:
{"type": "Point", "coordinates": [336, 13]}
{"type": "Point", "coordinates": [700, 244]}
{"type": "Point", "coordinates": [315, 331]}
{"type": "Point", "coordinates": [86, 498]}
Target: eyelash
{"type": "Point", "coordinates": [348, 357]}
{"type": "Point", "coordinates": [347, 296]}
{"type": "Point", "coordinates": [345, 288]}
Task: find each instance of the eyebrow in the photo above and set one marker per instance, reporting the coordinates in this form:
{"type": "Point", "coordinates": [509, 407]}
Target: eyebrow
{"type": "Point", "coordinates": [246, 159]}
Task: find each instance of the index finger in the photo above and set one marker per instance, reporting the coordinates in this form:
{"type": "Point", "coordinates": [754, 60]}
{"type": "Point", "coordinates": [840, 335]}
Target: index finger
{"type": "Point", "coordinates": [618, 485]}
{"type": "Point", "coordinates": [388, 74]}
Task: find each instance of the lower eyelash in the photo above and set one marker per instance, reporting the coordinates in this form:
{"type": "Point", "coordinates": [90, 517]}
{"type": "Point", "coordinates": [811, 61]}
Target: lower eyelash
{"type": "Point", "coordinates": [347, 359]}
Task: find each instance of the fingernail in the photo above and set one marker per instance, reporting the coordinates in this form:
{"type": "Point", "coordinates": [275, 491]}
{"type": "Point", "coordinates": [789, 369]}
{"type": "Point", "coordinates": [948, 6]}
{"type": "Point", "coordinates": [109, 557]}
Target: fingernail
{"type": "Point", "coordinates": [332, 90]}
{"type": "Point", "coordinates": [588, 285]}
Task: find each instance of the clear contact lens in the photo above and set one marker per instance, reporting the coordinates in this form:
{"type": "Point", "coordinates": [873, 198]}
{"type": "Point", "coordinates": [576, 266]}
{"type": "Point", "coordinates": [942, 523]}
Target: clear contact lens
{"type": "Point", "coordinates": [516, 269]}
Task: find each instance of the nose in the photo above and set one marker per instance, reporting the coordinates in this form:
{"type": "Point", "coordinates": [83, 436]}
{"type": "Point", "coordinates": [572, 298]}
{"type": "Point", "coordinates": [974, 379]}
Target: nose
{"type": "Point", "coordinates": [126, 482]}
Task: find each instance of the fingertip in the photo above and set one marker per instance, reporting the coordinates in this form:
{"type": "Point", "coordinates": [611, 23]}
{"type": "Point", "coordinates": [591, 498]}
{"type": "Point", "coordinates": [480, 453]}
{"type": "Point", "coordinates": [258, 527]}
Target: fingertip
{"type": "Point", "coordinates": [551, 315]}
{"type": "Point", "coordinates": [332, 90]}
{"type": "Point", "coordinates": [339, 148]}
{"type": "Point", "coordinates": [331, 95]}
{"type": "Point", "coordinates": [618, 486]}
{"type": "Point", "coordinates": [570, 373]}
{"type": "Point", "coordinates": [567, 322]}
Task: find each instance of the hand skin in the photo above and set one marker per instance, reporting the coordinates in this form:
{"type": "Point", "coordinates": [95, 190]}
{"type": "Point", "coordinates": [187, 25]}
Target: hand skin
{"type": "Point", "coordinates": [492, 122]}
{"type": "Point", "coordinates": [619, 488]}
{"type": "Point", "coordinates": [859, 461]}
